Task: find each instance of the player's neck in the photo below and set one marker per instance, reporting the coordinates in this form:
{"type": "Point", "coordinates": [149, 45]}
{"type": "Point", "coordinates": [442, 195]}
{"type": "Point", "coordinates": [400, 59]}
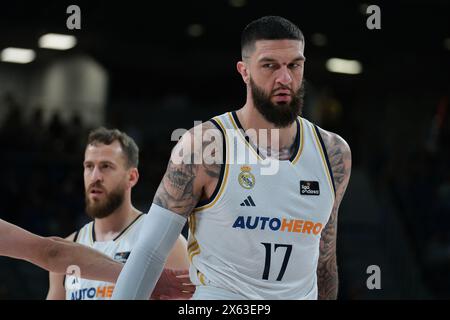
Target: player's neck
{"type": "Point", "coordinates": [250, 118]}
{"type": "Point", "coordinates": [110, 227]}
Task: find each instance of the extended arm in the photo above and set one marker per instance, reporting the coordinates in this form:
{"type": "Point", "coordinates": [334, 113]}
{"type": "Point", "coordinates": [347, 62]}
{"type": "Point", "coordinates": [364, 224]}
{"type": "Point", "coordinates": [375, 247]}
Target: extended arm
{"type": "Point", "coordinates": [55, 254]}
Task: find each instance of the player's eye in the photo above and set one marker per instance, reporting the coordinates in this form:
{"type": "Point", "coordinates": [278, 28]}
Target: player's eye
{"type": "Point", "coordinates": [269, 65]}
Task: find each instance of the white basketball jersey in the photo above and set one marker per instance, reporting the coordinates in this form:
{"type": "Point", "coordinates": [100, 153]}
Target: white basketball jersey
{"type": "Point", "coordinates": [118, 249]}
{"type": "Point", "coordinates": [258, 236]}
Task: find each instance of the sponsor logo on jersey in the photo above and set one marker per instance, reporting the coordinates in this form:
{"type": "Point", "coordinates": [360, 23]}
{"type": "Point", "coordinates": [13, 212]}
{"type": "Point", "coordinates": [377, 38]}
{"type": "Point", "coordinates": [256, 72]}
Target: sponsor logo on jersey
{"type": "Point", "coordinates": [246, 178]}
{"type": "Point", "coordinates": [277, 224]}
{"type": "Point", "coordinates": [92, 293]}
{"type": "Point", "coordinates": [122, 256]}
{"type": "Point", "coordinates": [309, 188]}
{"type": "Point", "coordinates": [248, 202]}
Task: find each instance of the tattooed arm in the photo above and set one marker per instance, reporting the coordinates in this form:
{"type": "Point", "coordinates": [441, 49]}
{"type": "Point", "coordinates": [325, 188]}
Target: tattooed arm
{"type": "Point", "coordinates": [188, 179]}
{"type": "Point", "coordinates": [339, 156]}
{"type": "Point", "coordinates": [190, 175]}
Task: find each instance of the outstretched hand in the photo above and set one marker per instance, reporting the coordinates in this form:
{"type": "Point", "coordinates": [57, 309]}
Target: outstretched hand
{"type": "Point", "coordinates": [173, 285]}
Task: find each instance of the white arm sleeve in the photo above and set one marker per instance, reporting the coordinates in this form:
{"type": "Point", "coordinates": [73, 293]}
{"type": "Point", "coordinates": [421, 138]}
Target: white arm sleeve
{"type": "Point", "coordinates": [160, 230]}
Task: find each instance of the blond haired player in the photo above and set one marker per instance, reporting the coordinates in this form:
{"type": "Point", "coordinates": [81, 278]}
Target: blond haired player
{"type": "Point", "coordinates": [110, 172]}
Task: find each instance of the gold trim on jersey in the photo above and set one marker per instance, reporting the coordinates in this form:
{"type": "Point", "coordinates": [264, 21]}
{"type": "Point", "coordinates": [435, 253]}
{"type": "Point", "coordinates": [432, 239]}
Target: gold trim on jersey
{"type": "Point", "coordinates": [201, 277]}
{"type": "Point", "coordinates": [249, 146]}
{"type": "Point", "coordinates": [324, 161]}
{"type": "Point", "coordinates": [300, 147]}
{"type": "Point", "coordinates": [193, 246]}
{"type": "Point", "coordinates": [194, 251]}
{"type": "Point", "coordinates": [225, 174]}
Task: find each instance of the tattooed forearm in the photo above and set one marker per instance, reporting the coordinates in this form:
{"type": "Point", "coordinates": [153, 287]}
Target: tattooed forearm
{"type": "Point", "coordinates": [340, 161]}
{"type": "Point", "coordinates": [327, 274]}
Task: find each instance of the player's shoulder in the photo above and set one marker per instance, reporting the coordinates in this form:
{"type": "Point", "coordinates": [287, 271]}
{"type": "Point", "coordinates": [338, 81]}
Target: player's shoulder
{"type": "Point", "coordinates": [332, 140]}
{"type": "Point", "coordinates": [193, 143]}
{"type": "Point", "coordinates": [339, 156]}
{"type": "Point", "coordinates": [199, 131]}
{"type": "Point", "coordinates": [205, 127]}
{"type": "Point", "coordinates": [75, 236]}
{"type": "Point", "coordinates": [71, 237]}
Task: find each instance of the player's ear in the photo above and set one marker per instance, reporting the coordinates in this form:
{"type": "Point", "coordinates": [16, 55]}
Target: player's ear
{"type": "Point", "coordinates": [133, 177]}
{"type": "Point", "coordinates": [243, 70]}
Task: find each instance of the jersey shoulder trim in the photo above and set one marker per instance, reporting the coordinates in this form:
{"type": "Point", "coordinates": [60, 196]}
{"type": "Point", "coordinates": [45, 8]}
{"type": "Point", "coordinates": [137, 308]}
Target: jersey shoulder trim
{"type": "Point", "coordinates": [241, 133]}
{"type": "Point", "coordinates": [220, 187]}
{"type": "Point", "coordinates": [324, 155]}
{"type": "Point", "coordinates": [299, 141]}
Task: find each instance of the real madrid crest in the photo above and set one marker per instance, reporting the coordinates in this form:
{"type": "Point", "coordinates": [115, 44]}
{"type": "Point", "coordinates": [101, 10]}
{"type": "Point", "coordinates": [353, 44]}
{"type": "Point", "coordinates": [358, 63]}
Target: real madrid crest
{"type": "Point", "coordinates": [246, 178]}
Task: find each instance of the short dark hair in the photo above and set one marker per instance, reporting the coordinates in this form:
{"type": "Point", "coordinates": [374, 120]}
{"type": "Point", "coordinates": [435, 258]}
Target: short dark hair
{"type": "Point", "coordinates": [268, 28]}
{"type": "Point", "coordinates": [108, 136]}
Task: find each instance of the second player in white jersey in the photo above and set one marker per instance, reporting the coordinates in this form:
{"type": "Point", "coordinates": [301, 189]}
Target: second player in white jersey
{"type": "Point", "coordinates": [118, 249]}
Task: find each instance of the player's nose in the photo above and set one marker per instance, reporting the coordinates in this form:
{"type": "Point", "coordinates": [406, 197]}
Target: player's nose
{"type": "Point", "coordinates": [283, 76]}
{"type": "Point", "coordinates": [96, 175]}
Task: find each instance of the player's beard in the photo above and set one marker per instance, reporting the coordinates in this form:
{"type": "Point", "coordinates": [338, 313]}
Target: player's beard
{"type": "Point", "coordinates": [105, 207]}
{"type": "Point", "coordinates": [281, 114]}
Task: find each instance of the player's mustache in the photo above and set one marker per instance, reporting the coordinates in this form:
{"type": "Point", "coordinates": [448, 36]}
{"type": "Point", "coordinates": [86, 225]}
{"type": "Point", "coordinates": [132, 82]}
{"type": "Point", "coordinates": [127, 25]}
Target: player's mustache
{"type": "Point", "coordinates": [96, 185]}
{"type": "Point", "coordinates": [283, 88]}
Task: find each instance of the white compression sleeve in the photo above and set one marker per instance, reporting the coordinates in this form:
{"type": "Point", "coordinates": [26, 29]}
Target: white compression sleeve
{"type": "Point", "coordinates": [143, 268]}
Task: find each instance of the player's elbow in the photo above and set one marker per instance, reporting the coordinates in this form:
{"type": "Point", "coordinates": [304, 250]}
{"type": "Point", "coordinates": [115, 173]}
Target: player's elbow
{"type": "Point", "coordinates": [54, 255]}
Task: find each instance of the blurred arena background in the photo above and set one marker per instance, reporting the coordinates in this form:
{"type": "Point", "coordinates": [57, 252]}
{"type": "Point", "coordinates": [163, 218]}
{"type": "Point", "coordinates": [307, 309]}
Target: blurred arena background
{"type": "Point", "coordinates": [148, 71]}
